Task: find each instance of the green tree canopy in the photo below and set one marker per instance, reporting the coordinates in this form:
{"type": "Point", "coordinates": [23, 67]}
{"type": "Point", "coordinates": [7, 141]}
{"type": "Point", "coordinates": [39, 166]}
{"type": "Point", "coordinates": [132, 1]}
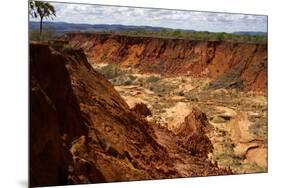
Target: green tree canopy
{"type": "Point", "coordinates": [42, 10]}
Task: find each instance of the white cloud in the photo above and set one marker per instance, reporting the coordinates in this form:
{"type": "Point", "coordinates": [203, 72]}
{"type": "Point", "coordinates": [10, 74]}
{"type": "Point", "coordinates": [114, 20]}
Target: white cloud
{"type": "Point", "coordinates": [207, 21]}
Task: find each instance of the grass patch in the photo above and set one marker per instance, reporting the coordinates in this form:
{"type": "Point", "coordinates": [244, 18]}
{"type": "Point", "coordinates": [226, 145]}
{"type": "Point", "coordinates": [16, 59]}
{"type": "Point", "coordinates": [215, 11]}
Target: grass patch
{"type": "Point", "coordinates": [198, 35]}
{"type": "Point", "coordinates": [152, 79]}
{"type": "Point", "coordinates": [111, 71]}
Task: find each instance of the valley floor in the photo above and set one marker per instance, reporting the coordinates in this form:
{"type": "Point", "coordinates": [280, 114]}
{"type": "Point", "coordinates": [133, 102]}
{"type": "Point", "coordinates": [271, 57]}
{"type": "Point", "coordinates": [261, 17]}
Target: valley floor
{"type": "Point", "coordinates": [239, 119]}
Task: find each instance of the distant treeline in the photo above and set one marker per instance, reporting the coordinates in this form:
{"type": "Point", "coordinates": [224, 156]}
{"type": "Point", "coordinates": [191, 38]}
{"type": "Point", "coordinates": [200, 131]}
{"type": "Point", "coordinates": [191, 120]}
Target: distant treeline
{"type": "Point", "coordinates": [50, 33]}
{"type": "Point", "coordinates": [200, 35]}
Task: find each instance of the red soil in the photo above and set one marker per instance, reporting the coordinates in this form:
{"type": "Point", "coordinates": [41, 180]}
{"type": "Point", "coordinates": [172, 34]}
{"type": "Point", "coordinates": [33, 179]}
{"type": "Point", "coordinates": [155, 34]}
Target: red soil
{"type": "Point", "coordinates": [178, 56]}
{"type": "Point", "coordinates": [82, 131]}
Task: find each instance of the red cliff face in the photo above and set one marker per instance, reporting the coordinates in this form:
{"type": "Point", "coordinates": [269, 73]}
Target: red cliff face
{"type": "Point", "coordinates": [55, 118]}
{"type": "Point", "coordinates": [214, 59]}
{"type": "Point", "coordinates": [82, 131]}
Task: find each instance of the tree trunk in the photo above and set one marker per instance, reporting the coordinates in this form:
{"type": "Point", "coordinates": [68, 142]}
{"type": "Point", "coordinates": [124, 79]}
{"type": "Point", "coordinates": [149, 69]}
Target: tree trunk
{"type": "Point", "coordinates": [40, 36]}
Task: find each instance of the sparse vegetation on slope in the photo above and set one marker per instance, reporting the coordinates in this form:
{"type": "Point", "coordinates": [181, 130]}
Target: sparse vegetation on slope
{"type": "Point", "coordinates": [169, 97]}
{"type": "Point", "coordinates": [198, 35]}
{"type": "Point", "coordinates": [98, 138]}
{"type": "Point", "coordinates": [238, 64]}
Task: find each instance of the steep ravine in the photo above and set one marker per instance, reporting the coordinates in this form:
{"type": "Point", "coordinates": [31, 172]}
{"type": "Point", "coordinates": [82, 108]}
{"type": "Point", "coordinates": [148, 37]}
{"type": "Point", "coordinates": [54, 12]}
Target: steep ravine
{"type": "Point", "coordinates": [230, 64]}
{"type": "Point", "coordinates": [82, 131]}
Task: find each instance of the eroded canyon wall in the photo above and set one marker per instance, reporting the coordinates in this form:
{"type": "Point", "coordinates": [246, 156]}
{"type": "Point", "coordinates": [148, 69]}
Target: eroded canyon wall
{"type": "Point", "coordinates": [239, 64]}
{"type": "Point", "coordinates": [82, 131]}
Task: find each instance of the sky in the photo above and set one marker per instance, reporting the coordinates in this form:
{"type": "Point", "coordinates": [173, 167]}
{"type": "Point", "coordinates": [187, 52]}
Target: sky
{"type": "Point", "coordinates": [176, 19]}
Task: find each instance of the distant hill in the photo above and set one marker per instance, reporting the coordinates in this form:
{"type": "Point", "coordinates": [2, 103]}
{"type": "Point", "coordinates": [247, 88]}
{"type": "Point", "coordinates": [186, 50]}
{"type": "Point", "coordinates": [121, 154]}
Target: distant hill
{"type": "Point", "coordinates": [62, 27]}
{"type": "Point", "coordinates": [252, 33]}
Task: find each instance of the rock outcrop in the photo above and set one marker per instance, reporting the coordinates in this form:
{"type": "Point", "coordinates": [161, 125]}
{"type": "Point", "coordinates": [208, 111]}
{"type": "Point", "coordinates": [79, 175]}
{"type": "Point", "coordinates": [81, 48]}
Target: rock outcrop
{"type": "Point", "coordinates": [49, 155]}
{"type": "Point", "coordinates": [82, 131]}
{"type": "Point", "coordinates": [142, 109]}
{"type": "Point", "coordinates": [241, 65]}
{"type": "Point", "coordinates": [55, 118]}
{"type": "Point", "coordinates": [192, 133]}
{"type": "Point", "coordinates": [189, 146]}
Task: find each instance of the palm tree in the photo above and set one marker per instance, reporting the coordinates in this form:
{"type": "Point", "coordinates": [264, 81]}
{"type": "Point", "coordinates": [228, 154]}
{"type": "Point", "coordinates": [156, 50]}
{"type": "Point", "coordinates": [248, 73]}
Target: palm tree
{"type": "Point", "coordinates": [42, 10]}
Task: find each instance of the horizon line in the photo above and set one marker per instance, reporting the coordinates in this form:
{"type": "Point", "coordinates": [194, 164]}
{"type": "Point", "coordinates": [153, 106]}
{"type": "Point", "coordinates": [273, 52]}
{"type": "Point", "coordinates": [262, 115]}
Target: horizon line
{"type": "Point", "coordinates": [49, 21]}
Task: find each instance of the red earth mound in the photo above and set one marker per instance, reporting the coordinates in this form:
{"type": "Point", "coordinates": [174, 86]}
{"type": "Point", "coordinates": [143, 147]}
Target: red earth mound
{"type": "Point", "coordinates": [142, 109]}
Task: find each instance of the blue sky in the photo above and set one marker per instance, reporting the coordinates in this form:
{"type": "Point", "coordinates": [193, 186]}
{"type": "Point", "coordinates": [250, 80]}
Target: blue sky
{"type": "Point", "coordinates": [201, 21]}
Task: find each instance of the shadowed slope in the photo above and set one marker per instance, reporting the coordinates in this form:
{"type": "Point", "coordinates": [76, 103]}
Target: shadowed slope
{"type": "Point", "coordinates": [83, 128]}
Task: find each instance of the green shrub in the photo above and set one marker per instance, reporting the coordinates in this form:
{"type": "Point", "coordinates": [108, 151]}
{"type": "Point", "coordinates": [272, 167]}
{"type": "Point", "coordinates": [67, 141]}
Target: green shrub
{"type": "Point", "coordinates": [128, 82]}
{"type": "Point", "coordinates": [152, 79]}
{"type": "Point", "coordinates": [47, 34]}
{"type": "Point", "coordinates": [132, 77]}
{"type": "Point", "coordinates": [67, 46]}
{"type": "Point", "coordinates": [162, 88]}
{"type": "Point", "coordinates": [200, 35]}
{"type": "Point", "coordinates": [111, 71]}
